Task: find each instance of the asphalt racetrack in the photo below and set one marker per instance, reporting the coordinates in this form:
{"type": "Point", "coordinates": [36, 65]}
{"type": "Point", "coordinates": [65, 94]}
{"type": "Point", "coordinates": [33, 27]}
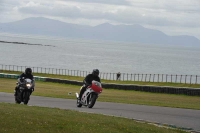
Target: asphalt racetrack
{"type": "Point", "coordinates": [177, 117]}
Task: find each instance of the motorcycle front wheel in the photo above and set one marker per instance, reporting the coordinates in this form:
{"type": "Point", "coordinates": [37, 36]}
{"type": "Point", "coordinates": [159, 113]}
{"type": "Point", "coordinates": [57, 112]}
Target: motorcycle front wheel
{"type": "Point", "coordinates": [92, 100]}
{"type": "Point", "coordinates": [26, 96]}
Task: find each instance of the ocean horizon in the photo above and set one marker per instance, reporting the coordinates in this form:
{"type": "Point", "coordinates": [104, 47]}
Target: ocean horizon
{"type": "Point", "coordinates": [107, 56]}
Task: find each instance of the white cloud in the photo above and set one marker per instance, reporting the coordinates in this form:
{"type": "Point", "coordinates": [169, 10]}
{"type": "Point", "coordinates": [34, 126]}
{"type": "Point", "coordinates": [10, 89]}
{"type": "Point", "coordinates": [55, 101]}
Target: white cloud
{"type": "Point", "coordinates": [110, 2]}
{"type": "Point", "coordinates": [161, 14]}
{"type": "Point", "coordinates": [121, 14]}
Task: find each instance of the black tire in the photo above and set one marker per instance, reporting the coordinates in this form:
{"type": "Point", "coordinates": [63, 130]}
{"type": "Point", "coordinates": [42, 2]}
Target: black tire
{"type": "Point", "coordinates": [26, 96]}
{"type": "Point", "coordinates": [78, 104]}
{"type": "Point", "coordinates": [92, 100]}
{"type": "Point", "coordinates": [17, 99]}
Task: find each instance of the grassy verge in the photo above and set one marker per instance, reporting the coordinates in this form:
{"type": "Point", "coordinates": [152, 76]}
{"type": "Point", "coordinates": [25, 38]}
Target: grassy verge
{"type": "Point", "coordinates": [110, 81]}
{"type": "Point", "coordinates": [109, 95]}
{"type": "Point", "coordinates": [19, 118]}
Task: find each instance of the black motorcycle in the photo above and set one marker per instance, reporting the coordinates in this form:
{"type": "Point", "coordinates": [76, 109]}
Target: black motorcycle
{"type": "Point", "coordinates": [24, 91]}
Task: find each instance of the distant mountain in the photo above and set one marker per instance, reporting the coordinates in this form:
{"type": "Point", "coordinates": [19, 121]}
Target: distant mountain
{"type": "Point", "coordinates": [106, 31]}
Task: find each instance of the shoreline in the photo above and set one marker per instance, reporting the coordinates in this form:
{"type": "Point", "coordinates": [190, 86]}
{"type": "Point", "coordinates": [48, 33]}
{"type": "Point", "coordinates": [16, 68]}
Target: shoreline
{"type": "Point", "coordinates": [25, 43]}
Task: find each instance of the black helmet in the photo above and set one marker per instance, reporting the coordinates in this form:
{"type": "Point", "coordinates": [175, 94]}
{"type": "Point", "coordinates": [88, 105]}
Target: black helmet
{"type": "Point", "coordinates": [28, 71]}
{"type": "Point", "coordinates": [95, 72]}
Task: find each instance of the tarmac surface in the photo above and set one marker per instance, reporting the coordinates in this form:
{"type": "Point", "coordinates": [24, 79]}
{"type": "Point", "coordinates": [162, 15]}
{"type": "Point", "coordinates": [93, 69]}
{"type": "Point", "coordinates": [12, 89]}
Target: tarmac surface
{"type": "Point", "coordinates": [187, 119]}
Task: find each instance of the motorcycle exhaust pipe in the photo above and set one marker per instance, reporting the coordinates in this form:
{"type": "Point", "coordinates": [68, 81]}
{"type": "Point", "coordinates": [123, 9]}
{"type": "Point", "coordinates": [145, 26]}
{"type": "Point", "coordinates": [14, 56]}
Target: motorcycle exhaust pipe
{"type": "Point", "coordinates": [77, 96]}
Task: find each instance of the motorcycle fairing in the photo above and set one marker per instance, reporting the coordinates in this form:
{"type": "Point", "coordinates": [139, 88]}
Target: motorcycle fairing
{"type": "Point", "coordinates": [85, 96]}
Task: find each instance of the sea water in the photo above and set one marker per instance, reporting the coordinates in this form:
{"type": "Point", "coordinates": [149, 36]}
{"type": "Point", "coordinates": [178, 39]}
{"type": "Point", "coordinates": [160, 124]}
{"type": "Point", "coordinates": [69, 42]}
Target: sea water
{"type": "Point", "coordinates": [107, 56]}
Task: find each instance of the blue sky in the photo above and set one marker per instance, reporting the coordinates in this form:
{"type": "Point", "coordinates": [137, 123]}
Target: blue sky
{"type": "Point", "coordinates": [173, 17]}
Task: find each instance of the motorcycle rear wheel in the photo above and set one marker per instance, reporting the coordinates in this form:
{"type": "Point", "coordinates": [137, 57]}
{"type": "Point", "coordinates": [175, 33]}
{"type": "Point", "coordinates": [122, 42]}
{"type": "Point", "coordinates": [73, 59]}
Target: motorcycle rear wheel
{"type": "Point", "coordinates": [78, 104]}
{"type": "Point", "coordinates": [17, 99]}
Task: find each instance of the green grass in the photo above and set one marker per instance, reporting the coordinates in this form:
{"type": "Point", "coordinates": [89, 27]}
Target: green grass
{"type": "Point", "coordinates": [110, 81]}
{"type": "Point", "coordinates": [57, 90]}
{"type": "Point", "coordinates": [16, 118]}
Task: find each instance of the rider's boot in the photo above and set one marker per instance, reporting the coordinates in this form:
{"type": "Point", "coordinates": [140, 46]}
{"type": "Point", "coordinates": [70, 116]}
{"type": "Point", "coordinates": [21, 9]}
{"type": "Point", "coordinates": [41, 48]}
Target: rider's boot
{"type": "Point", "coordinates": [81, 92]}
{"type": "Point", "coordinates": [79, 98]}
{"type": "Point", "coordinates": [15, 91]}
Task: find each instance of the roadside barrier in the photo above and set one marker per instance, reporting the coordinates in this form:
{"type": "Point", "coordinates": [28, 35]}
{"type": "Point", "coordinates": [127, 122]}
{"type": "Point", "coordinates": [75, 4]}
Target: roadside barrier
{"type": "Point", "coordinates": [145, 88]}
{"type": "Point", "coordinates": [170, 78]}
{"type": "Point", "coordinates": [15, 76]}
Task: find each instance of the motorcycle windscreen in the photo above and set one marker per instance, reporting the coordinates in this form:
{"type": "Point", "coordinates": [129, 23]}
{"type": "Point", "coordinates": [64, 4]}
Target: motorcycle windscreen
{"type": "Point", "coordinates": [28, 80]}
{"type": "Point", "coordinates": [96, 86]}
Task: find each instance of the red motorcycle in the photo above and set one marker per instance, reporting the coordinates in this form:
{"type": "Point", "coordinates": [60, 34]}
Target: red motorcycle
{"type": "Point", "coordinates": [90, 96]}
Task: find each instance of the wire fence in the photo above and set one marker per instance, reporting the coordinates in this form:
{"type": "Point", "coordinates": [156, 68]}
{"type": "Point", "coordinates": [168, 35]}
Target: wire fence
{"type": "Point", "coordinates": [187, 79]}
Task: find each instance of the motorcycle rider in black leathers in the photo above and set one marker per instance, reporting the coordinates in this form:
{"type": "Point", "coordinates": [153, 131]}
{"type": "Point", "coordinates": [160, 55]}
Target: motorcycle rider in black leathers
{"type": "Point", "coordinates": [26, 74]}
{"type": "Point", "coordinates": [88, 81]}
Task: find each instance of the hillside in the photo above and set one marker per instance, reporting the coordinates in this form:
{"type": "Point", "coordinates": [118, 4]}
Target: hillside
{"type": "Point", "coordinates": [106, 31]}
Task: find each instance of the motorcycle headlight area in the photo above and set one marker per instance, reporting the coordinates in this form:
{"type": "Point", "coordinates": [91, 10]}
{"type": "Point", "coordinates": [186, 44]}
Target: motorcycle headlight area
{"type": "Point", "coordinates": [28, 85]}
